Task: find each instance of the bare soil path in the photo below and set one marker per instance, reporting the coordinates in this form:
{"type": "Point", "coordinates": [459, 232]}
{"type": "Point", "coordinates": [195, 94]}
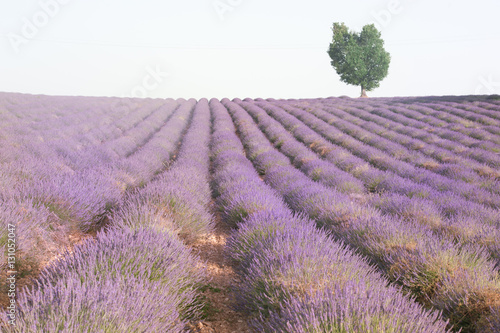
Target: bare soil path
{"type": "Point", "coordinates": [219, 294]}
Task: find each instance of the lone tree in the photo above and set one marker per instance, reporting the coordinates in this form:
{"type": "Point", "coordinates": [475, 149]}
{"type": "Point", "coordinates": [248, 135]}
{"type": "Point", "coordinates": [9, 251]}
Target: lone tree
{"type": "Point", "coordinates": [359, 59]}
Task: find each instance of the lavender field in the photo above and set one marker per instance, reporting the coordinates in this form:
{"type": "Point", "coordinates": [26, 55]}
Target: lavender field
{"type": "Point", "coordinates": [346, 215]}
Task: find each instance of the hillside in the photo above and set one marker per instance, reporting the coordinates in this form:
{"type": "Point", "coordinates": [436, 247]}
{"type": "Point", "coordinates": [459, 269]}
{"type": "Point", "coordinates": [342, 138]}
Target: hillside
{"type": "Point", "coordinates": [293, 215]}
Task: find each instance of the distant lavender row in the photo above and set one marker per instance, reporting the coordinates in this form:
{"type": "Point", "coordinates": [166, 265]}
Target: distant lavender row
{"type": "Point", "coordinates": [150, 158]}
{"type": "Point", "coordinates": [376, 180]}
{"type": "Point", "coordinates": [479, 107]}
{"type": "Point", "coordinates": [449, 108]}
{"type": "Point", "coordinates": [452, 165]}
{"type": "Point", "coordinates": [330, 129]}
{"type": "Point", "coordinates": [61, 142]}
{"type": "Point", "coordinates": [67, 129]}
{"type": "Point", "coordinates": [454, 132]}
{"type": "Point", "coordinates": [480, 146]}
{"type": "Point", "coordinates": [301, 156]}
{"type": "Point", "coordinates": [135, 137]}
{"type": "Point", "coordinates": [456, 128]}
{"type": "Point", "coordinates": [438, 114]}
{"type": "Point", "coordinates": [477, 129]}
{"type": "Point", "coordinates": [285, 262]}
{"type": "Point", "coordinates": [408, 253]}
{"type": "Point", "coordinates": [472, 125]}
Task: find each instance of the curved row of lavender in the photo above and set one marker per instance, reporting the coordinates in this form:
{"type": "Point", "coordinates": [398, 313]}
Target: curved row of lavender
{"type": "Point", "coordinates": [450, 217]}
{"type": "Point", "coordinates": [151, 277]}
{"type": "Point", "coordinates": [464, 119]}
{"type": "Point", "coordinates": [476, 136]}
{"type": "Point", "coordinates": [424, 137]}
{"type": "Point", "coordinates": [384, 161]}
{"type": "Point", "coordinates": [453, 278]}
{"type": "Point", "coordinates": [380, 133]}
{"type": "Point", "coordinates": [296, 278]}
{"type": "Point", "coordinates": [404, 207]}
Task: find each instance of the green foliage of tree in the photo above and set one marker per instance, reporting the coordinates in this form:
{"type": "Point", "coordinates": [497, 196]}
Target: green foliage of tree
{"type": "Point", "coordinates": [359, 58]}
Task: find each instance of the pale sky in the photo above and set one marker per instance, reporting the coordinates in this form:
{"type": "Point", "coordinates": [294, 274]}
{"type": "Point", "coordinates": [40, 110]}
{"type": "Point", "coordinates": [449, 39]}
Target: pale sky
{"type": "Point", "coordinates": [242, 48]}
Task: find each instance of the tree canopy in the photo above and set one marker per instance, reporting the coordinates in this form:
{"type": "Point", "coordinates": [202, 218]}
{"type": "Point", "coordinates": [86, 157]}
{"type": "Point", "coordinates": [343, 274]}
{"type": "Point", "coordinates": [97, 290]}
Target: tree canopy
{"type": "Point", "coordinates": [359, 58]}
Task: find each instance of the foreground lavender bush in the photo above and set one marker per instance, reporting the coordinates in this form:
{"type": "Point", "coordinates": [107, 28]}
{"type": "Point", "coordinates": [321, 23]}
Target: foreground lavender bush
{"type": "Point", "coordinates": [121, 304]}
{"type": "Point", "coordinates": [351, 309]}
{"type": "Point", "coordinates": [38, 234]}
{"type": "Point", "coordinates": [124, 280]}
{"type": "Point", "coordinates": [286, 261]}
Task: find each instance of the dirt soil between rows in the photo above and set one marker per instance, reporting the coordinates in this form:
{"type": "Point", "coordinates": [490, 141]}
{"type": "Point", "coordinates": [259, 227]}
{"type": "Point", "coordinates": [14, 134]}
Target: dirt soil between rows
{"type": "Point", "coordinates": [219, 293]}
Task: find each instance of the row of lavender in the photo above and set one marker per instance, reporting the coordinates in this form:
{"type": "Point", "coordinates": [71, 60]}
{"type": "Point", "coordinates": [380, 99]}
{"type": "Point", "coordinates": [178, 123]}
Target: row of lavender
{"type": "Point", "coordinates": [477, 128]}
{"type": "Point", "coordinates": [149, 276]}
{"type": "Point", "coordinates": [456, 278]}
{"type": "Point", "coordinates": [470, 142]}
{"type": "Point", "coordinates": [296, 278]}
{"type": "Point", "coordinates": [48, 203]}
{"type": "Point", "coordinates": [454, 160]}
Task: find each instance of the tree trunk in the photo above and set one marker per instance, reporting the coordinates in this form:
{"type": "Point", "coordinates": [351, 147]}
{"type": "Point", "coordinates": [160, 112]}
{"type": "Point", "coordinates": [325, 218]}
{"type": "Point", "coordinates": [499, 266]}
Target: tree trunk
{"type": "Point", "coordinates": [363, 93]}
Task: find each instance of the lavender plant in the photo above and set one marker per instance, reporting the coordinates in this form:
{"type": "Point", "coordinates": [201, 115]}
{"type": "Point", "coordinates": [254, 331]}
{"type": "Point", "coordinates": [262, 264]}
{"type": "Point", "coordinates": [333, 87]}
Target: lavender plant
{"type": "Point", "coordinates": [124, 279]}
